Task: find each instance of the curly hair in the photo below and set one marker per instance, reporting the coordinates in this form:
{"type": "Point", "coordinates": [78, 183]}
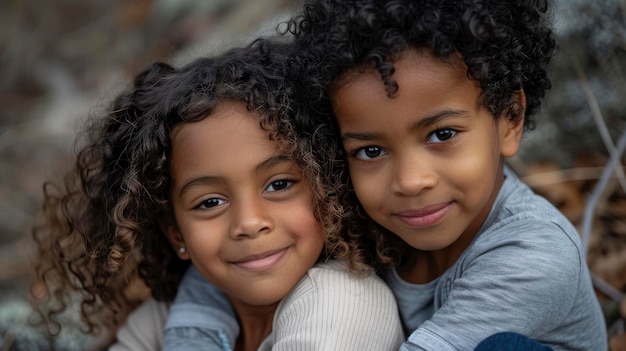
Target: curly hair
{"type": "Point", "coordinates": [506, 45]}
{"type": "Point", "coordinates": [101, 225]}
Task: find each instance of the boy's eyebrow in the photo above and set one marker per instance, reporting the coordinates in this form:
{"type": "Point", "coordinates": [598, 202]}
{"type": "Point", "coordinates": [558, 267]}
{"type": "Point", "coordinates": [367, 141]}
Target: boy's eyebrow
{"type": "Point", "coordinates": [207, 180]}
{"type": "Point", "coordinates": [437, 117]}
{"type": "Point", "coordinates": [359, 136]}
{"type": "Point", "coordinates": [421, 124]}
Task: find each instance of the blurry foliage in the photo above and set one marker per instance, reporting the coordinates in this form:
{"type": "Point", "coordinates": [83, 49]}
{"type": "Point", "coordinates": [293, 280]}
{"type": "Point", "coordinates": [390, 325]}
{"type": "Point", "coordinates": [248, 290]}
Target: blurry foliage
{"type": "Point", "coordinates": [60, 61]}
{"type": "Point", "coordinates": [592, 54]}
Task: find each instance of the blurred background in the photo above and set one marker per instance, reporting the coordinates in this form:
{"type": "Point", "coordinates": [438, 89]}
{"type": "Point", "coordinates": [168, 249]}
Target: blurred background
{"type": "Point", "coordinates": [61, 59]}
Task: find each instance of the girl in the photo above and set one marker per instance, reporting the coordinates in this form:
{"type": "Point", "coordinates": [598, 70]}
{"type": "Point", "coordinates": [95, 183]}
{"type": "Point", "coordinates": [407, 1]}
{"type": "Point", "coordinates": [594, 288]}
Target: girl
{"type": "Point", "coordinates": [203, 163]}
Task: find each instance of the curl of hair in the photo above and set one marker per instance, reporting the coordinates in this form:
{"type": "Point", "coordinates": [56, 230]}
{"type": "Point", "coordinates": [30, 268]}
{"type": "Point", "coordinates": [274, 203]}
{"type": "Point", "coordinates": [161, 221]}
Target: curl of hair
{"type": "Point", "coordinates": [101, 226]}
{"type": "Point", "coordinates": [506, 45]}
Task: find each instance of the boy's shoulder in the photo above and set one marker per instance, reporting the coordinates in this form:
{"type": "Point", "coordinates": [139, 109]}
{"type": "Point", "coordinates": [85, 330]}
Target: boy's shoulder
{"type": "Point", "coordinates": [520, 213]}
{"type": "Point", "coordinates": [518, 201]}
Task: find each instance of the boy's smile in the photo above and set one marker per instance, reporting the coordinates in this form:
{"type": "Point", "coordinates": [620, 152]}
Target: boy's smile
{"type": "Point", "coordinates": [243, 210]}
{"type": "Point", "coordinates": [425, 217]}
{"type": "Point", "coordinates": [427, 163]}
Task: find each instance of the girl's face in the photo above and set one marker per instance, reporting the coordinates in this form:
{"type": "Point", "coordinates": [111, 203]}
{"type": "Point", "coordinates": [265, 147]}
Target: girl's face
{"type": "Point", "coordinates": [427, 163]}
{"type": "Point", "coordinates": [244, 211]}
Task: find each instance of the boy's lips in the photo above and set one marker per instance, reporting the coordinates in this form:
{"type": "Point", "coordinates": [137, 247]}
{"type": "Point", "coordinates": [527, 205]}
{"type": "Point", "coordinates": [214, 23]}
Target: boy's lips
{"type": "Point", "coordinates": [260, 262]}
{"type": "Point", "coordinates": [425, 216]}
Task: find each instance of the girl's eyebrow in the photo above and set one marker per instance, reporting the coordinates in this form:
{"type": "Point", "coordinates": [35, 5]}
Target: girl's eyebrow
{"type": "Point", "coordinates": [271, 162]}
{"type": "Point", "coordinates": [203, 180]}
{"type": "Point", "coordinates": [421, 124]}
{"type": "Point", "coordinates": [208, 180]}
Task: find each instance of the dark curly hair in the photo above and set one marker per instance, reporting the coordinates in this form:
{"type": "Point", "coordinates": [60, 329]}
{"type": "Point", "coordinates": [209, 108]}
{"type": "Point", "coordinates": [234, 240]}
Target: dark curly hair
{"type": "Point", "coordinates": [101, 225]}
{"type": "Point", "coordinates": [506, 45]}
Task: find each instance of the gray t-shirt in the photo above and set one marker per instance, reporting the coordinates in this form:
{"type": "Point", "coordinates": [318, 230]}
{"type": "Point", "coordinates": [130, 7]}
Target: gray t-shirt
{"type": "Point", "coordinates": [524, 272]}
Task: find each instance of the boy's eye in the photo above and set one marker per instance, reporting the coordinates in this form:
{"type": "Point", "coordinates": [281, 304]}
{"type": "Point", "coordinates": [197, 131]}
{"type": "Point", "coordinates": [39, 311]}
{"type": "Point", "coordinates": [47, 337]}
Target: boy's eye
{"type": "Point", "coordinates": [210, 203]}
{"type": "Point", "coordinates": [441, 135]}
{"type": "Point", "coordinates": [369, 152]}
{"type": "Point", "coordinates": [278, 185]}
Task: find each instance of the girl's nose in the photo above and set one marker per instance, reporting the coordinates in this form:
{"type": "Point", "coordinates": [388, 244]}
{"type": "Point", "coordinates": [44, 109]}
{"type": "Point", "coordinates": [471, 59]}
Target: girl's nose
{"type": "Point", "coordinates": [252, 218]}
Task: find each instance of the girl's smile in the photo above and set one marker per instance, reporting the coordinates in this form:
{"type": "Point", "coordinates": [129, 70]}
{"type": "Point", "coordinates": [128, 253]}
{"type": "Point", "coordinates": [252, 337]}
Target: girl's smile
{"type": "Point", "coordinates": [261, 262]}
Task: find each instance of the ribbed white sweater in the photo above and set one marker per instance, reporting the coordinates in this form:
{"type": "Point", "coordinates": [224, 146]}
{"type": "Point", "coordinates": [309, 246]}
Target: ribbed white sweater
{"type": "Point", "coordinates": [330, 309]}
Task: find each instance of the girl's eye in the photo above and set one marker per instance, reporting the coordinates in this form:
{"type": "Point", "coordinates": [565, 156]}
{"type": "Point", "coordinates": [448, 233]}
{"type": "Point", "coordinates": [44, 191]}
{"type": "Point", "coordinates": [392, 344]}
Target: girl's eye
{"type": "Point", "coordinates": [279, 185]}
{"type": "Point", "coordinates": [441, 135]}
{"type": "Point", "coordinates": [210, 203]}
{"type": "Point", "coordinates": [369, 152]}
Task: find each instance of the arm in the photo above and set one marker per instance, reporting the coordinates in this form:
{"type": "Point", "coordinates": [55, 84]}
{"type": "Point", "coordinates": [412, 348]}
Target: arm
{"type": "Point", "coordinates": [331, 309]}
{"type": "Point", "coordinates": [523, 284]}
{"type": "Point", "coordinates": [142, 331]}
{"type": "Point", "coordinates": [201, 317]}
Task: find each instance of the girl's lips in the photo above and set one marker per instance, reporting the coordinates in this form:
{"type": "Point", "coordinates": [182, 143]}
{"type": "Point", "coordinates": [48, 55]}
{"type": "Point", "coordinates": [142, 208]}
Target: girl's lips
{"type": "Point", "coordinates": [426, 216]}
{"type": "Point", "coordinates": [261, 262]}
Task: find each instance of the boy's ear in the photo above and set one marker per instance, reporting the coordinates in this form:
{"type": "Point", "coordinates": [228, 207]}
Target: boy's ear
{"type": "Point", "coordinates": [511, 130]}
{"type": "Point", "coordinates": [175, 238]}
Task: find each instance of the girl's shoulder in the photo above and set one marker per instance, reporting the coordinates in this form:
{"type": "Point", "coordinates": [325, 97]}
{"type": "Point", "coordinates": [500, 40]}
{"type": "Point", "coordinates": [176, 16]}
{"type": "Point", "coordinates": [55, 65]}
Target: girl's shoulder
{"type": "Point", "coordinates": [143, 330]}
{"type": "Point", "coordinates": [338, 273]}
{"type": "Point", "coordinates": [358, 312]}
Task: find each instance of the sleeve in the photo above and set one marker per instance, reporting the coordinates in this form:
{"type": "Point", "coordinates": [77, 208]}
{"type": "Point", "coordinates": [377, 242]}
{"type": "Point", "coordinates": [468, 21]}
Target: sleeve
{"type": "Point", "coordinates": [201, 317]}
{"type": "Point", "coordinates": [142, 331]}
{"type": "Point", "coordinates": [525, 286]}
{"type": "Point", "coordinates": [333, 310]}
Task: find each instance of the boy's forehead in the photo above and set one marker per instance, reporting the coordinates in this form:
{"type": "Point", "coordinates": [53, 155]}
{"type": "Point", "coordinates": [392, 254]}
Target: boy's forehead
{"type": "Point", "coordinates": [420, 57]}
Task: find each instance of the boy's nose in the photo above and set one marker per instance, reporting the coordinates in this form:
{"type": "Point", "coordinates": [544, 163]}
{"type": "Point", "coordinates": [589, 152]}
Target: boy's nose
{"type": "Point", "coordinates": [412, 176]}
{"type": "Point", "coordinates": [251, 220]}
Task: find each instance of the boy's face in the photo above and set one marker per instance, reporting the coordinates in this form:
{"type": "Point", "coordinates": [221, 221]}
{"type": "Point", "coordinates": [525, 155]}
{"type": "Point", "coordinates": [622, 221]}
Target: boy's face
{"type": "Point", "coordinates": [244, 211]}
{"type": "Point", "coordinates": [427, 163]}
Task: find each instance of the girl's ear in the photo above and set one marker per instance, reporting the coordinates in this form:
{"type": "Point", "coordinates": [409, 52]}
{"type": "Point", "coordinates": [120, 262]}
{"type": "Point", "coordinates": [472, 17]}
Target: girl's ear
{"type": "Point", "coordinates": [173, 235]}
{"type": "Point", "coordinates": [511, 130]}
